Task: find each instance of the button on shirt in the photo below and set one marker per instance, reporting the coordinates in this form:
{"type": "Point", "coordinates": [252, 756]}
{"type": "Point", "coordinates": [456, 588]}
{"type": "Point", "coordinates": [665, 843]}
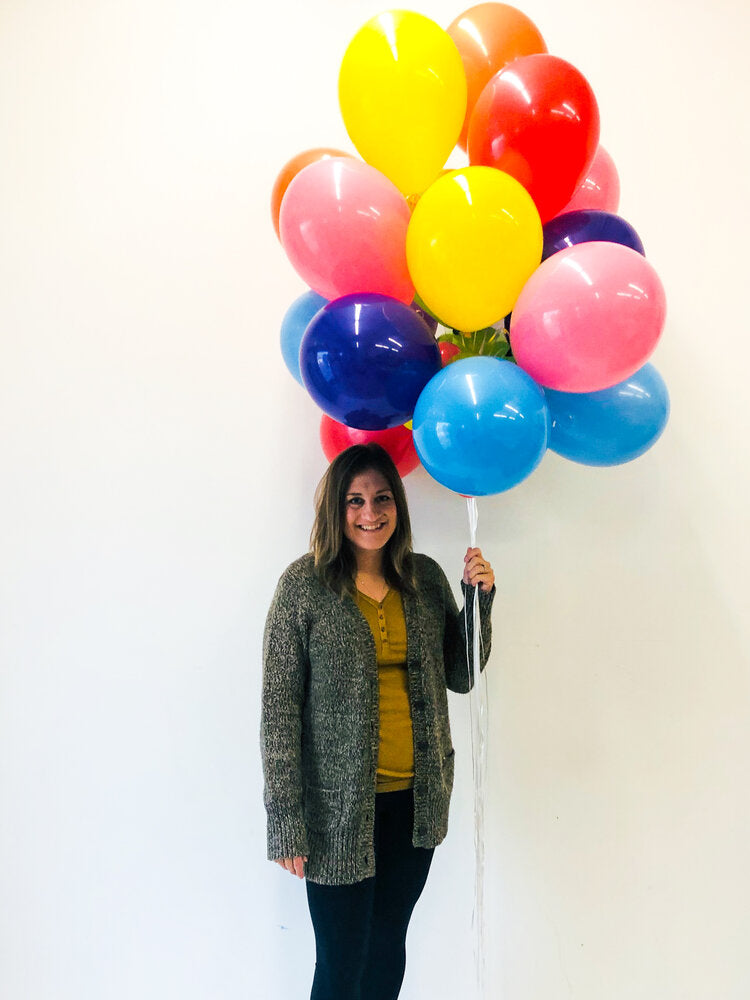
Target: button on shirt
{"type": "Point", "coordinates": [396, 749]}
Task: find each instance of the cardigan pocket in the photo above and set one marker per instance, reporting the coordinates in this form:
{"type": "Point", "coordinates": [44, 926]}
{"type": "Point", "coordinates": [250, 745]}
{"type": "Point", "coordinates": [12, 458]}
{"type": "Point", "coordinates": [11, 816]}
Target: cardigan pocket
{"type": "Point", "coordinates": [323, 808]}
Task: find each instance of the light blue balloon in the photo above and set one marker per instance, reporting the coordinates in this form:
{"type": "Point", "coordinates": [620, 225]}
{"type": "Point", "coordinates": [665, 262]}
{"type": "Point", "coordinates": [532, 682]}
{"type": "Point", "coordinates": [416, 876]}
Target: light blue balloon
{"type": "Point", "coordinates": [610, 426]}
{"type": "Point", "coordinates": [293, 327]}
{"type": "Point", "coordinates": [481, 426]}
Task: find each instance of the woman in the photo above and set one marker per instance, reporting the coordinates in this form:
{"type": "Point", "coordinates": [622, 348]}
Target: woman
{"type": "Point", "coordinates": [361, 640]}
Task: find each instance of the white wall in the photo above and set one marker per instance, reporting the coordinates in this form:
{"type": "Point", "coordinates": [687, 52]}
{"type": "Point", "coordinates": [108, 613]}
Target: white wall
{"type": "Point", "coordinates": [158, 465]}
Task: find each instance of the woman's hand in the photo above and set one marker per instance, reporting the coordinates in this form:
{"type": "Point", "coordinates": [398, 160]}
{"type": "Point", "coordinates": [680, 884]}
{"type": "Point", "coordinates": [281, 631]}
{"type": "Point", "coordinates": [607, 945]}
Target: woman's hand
{"type": "Point", "coordinates": [477, 571]}
{"type": "Point", "coordinates": [295, 866]}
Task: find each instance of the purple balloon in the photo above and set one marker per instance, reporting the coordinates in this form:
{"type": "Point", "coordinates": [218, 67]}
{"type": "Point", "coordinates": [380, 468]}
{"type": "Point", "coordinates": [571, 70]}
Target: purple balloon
{"type": "Point", "coordinates": [365, 359]}
{"type": "Point", "coordinates": [588, 226]}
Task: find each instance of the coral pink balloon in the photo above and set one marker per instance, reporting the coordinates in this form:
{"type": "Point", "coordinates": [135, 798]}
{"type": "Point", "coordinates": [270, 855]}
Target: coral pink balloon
{"type": "Point", "coordinates": [290, 170]}
{"type": "Point", "coordinates": [588, 317]}
{"type": "Point", "coordinates": [343, 225]}
{"type": "Point", "coordinates": [600, 190]}
{"type": "Point", "coordinates": [397, 441]}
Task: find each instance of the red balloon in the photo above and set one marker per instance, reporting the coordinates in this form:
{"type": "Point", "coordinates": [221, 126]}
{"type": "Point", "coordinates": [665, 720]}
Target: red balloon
{"type": "Point", "coordinates": [538, 120]}
{"type": "Point", "coordinates": [448, 351]}
{"type": "Point", "coordinates": [397, 441]}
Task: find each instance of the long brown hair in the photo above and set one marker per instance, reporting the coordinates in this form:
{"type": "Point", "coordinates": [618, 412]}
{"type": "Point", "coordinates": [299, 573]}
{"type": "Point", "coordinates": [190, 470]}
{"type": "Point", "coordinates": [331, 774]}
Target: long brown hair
{"type": "Point", "coordinates": [334, 559]}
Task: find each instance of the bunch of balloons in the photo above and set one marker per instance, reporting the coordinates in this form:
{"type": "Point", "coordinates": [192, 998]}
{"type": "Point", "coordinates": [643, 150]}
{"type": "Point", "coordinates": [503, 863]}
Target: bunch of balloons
{"type": "Point", "coordinates": [502, 307]}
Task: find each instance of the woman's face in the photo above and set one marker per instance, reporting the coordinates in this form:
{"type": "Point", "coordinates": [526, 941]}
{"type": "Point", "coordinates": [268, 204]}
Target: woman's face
{"type": "Point", "coordinates": [370, 511]}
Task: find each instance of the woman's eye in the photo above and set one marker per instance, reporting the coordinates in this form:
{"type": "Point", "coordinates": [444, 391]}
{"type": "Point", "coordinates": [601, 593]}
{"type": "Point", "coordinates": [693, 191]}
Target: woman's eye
{"type": "Point", "coordinates": [354, 501]}
{"type": "Point", "coordinates": [385, 499]}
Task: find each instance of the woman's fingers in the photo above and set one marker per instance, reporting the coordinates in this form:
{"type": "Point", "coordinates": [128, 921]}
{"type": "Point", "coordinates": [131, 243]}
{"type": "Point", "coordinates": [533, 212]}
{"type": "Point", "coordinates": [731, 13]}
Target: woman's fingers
{"type": "Point", "coordinates": [469, 559]}
{"type": "Point", "coordinates": [477, 570]}
{"type": "Point", "coordinates": [295, 866]}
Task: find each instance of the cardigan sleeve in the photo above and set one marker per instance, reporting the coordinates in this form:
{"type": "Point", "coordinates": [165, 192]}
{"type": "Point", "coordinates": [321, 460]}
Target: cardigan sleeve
{"type": "Point", "coordinates": [285, 668]}
{"type": "Point", "coordinates": [459, 635]}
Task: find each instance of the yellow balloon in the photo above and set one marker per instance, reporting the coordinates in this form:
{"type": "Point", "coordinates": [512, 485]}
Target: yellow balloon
{"type": "Point", "coordinates": [473, 241]}
{"type": "Point", "coordinates": [402, 91]}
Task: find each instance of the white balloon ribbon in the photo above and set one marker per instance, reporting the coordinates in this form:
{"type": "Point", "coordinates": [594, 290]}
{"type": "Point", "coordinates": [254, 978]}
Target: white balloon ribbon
{"type": "Point", "coordinates": [478, 728]}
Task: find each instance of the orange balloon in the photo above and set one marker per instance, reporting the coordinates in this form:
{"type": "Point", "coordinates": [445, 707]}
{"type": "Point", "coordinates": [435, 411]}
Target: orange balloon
{"type": "Point", "coordinates": [488, 37]}
{"type": "Point", "coordinates": [290, 170]}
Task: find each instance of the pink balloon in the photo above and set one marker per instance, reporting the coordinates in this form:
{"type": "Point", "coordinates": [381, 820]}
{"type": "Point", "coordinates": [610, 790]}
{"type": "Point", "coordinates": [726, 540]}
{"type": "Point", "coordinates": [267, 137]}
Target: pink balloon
{"type": "Point", "coordinates": [601, 188]}
{"type": "Point", "coordinates": [343, 225]}
{"type": "Point", "coordinates": [588, 317]}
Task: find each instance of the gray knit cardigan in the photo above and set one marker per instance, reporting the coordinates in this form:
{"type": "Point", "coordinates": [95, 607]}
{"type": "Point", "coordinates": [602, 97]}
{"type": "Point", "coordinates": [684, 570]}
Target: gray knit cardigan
{"type": "Point", "coordinates": [320, 716]}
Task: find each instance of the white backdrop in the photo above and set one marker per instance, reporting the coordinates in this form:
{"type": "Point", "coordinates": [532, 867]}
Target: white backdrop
{"type": "Point", "coordinates": [158, 464]}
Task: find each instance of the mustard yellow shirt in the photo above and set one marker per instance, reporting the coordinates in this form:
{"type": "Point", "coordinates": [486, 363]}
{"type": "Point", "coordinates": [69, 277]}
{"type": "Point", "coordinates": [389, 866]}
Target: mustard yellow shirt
{"type": "Point", "coordinates": [396, 749]}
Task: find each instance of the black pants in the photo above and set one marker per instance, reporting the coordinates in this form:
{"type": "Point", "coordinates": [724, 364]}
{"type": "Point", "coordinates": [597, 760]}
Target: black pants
{"type": "Point", "coordinates": [360, 929]}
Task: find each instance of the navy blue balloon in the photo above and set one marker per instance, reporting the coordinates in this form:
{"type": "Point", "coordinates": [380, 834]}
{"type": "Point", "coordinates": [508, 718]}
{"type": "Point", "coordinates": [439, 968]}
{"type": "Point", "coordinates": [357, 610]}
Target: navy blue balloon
{"type": "Point", "coordinates": [481, 426]}
{"type": "Point", "coordinates": [293, 327]}
{"type": "Point", "coordinates": [588, 226]}
{"type": "Point", "coordinates": [613, 425]}
{"type": "Point", "coordinates": [365, 359]}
